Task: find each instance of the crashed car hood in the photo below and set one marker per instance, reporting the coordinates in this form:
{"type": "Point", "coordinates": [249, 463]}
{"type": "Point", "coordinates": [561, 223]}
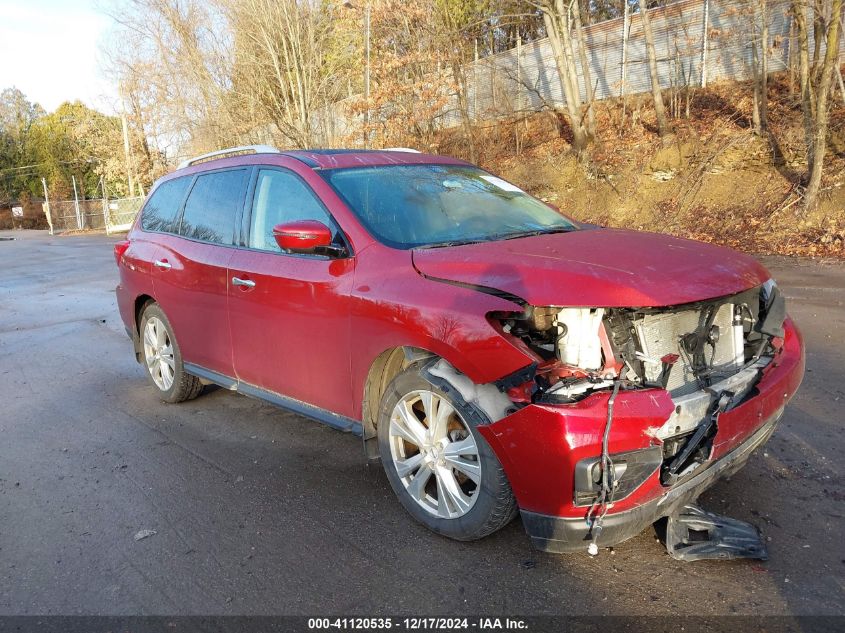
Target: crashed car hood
{"type": "Point", "coordinates": [596, 267]}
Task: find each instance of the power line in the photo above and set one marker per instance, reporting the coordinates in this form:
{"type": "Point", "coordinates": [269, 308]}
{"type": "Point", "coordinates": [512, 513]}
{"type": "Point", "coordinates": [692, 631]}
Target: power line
{"type": "Point", "coordinates": [24, 167]}
{"type": "Point", "coordinates": [60, 162]}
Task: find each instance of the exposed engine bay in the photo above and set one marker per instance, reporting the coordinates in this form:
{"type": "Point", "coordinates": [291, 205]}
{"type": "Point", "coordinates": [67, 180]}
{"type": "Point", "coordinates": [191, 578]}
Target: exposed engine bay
{"type": "Point", "coordinates": [682, 349]}
{"type": "Point", "coordinates": [707, 355]}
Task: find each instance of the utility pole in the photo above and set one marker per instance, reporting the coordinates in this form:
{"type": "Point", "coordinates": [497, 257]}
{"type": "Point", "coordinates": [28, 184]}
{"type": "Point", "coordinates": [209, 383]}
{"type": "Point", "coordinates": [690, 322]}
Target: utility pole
{"type": "Point", "coordinates": [475, 76]}
{"type": "Point", "coordinates": [367, 70]}
{"type": "Point", "coordinates": [351, 5]}
{"type": "Point", "coordinates": [519, 86]}
{"type": "Point", "coordinates": [105, 205]}
{"type": "Point", "coordinates": [126, 152]}
{"type": "Point", "coordinates": [705, 37]}
{"type": "Point", "coordinates": [47, 205]}
{"type": "Point", "coordinates": [76, 204]}
{"type": "Point", "coordinates": [626, 30]}
{"type": "Point", "coordinates": [623, 78]}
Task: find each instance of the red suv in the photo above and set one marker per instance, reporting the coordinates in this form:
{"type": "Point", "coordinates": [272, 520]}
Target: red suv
{"type": "Point", "coordinates": [497, 356]}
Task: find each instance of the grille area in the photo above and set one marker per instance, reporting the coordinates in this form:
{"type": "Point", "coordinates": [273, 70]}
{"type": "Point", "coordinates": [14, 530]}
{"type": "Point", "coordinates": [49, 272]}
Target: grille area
{"type": "Point", "coordinates": [660, 334]}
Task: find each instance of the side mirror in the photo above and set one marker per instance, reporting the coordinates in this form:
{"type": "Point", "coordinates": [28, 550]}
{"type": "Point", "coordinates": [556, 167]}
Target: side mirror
{"type": "Point", "coordinates": [304, 236]}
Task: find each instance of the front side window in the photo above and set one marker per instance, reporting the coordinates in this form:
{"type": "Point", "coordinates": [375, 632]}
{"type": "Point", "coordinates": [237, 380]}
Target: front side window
{"type": "Point", "coordinates": [162, 208]}
{"type": "Point", "coordinates": [281, 197]}
{"type": "Point", "coordinates": [212, 206]}
{"type": "Point", "coordinates": [408, 206]}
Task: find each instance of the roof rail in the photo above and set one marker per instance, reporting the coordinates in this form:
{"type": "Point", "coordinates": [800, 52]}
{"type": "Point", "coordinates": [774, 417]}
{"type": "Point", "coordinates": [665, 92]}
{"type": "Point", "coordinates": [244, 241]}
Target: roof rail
{"type": "Point", "coordinates": [244, 149]}
{"type": "Point", "coordinates": [402, 149]}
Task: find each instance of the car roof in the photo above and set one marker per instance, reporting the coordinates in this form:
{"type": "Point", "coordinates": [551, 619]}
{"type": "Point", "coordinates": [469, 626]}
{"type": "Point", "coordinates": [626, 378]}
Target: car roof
{"type": "Point", "coordinates": [345, 158]}
{"type": "Point", "coordinates": [314, 158]}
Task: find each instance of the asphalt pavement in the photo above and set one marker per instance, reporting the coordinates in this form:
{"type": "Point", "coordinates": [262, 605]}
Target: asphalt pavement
{"type": "Point", "coordinates": [259, 511]}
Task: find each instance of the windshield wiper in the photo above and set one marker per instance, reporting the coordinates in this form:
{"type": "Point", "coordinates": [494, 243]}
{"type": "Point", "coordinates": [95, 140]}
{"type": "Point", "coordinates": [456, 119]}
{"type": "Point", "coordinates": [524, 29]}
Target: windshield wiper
{"type": "Point", "coordinates": [452, 243]}
{"type": "Point", "coordinates": [498, 236]}
{"type": "Point", "coordinates": [549, 231]}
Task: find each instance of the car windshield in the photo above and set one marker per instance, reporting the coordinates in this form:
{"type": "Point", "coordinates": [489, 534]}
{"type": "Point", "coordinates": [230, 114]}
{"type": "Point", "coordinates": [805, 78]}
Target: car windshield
{"type": "Point", "coordinates": [410, 206]}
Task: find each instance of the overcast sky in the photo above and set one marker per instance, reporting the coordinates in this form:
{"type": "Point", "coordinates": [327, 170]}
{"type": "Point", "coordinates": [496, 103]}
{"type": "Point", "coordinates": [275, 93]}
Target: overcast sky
{"type": "Point", "coordinates": [49, 49]}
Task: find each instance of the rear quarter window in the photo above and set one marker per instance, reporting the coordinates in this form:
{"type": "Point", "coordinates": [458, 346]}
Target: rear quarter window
{"type": "Point", "coordinates": [162, 209]}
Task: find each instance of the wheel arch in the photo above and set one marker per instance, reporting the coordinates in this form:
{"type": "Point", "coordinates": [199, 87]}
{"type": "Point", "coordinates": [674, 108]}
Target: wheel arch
{"type": "Point", "coordinates": [141, 303]}
{"type": "Point", "coordinates": [393, 361]}
{"type": "Point", "coordinates": [384, 368]}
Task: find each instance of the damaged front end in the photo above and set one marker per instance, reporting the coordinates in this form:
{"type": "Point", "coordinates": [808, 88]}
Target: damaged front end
{"type": "Point", "coordinates": [628, 410]}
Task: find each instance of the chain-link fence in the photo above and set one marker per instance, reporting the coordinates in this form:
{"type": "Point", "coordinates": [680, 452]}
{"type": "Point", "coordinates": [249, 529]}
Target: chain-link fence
{"type": "Point", "coordinates": [111, 215]}
{"type": "Point", "coordinates": [121, 212]}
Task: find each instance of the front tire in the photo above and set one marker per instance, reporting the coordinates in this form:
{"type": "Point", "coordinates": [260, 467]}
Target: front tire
{"type": "Point", "coordinates": [438, 464]}
{"type": "Point", "coordinates": [162, 358]}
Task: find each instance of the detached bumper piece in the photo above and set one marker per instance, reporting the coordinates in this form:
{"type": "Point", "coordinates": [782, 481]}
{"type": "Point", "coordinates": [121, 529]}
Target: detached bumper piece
{"type": "Point", "coordinates": [695, 534]}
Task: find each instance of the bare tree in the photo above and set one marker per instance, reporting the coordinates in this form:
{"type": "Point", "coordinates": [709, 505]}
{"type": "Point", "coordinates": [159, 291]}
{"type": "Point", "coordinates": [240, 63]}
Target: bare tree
{"type": "Point", "coordinates": [559, 26]}
{"type": "Point", "coordinates": [412, 82]}
{"type": "Point", "coordinates": [455, 25]}
{"type": "Point", "coordinates": [651, 55]}
{"type": "Point", "coordinates": [760, 65]}
{"type": "Point", "coordinates": [286, 64]}
{"type": "Point", "coordinates": [816, 88]}
{"type": "Point", "coordinates": [589, 89]}
{"type": "Point", "coordinates": [818, 36]}
{"type": "Point", "coordinates": [157, 41]}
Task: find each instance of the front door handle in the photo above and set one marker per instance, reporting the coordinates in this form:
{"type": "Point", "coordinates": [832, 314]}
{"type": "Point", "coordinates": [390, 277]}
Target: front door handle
{"type": "Point", "coordinates": [247, 283]}
{"type": "Point", "coordinates": [163, 264]}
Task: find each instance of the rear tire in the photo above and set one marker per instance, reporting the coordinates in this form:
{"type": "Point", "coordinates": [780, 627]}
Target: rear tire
{"type": "Point", "coordinates": [443, 471]}
{"type": "Point", "coordinates": [162, 358]}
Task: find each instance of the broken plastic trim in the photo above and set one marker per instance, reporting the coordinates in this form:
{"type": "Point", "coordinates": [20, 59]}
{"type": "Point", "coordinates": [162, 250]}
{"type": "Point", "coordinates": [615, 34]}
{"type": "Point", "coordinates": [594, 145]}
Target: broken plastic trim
{"type": "Point", "coordinates": [630, 470]}
{"type": "Point", "coordinates": [697, 448]}
{"type": "Point", "coordinates": [775, 311]}
{"type": "Point", "coordinates": [517, 378]}
{"type": "Point", "coordinates": [485, 403]}
{"type": "Point", "coordinates": [695, 534]}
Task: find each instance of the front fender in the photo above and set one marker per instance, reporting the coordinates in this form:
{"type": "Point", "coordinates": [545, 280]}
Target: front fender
{"type": "Point", "coordinates": [394, 306]}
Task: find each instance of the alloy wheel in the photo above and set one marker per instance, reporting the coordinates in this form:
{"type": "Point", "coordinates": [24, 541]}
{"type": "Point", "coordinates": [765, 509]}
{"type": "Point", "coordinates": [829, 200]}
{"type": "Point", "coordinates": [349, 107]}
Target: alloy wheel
{"type": "Point", "coordinates": [158, 353]}
{"type": "Point", "coordinates": [435, 454]}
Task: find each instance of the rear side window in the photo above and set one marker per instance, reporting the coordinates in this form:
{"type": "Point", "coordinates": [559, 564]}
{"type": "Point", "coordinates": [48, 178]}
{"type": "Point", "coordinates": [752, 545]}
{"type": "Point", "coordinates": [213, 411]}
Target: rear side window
{"type": "Point", "coordinates": [162, 208]}
{"type": "Point", "coordinates": [212, 206]}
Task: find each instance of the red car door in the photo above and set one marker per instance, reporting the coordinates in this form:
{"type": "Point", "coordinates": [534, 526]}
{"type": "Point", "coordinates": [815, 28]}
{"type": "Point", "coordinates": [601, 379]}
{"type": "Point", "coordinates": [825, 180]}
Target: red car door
{"type": "Point", "coordinates": [190, 268]}
{"type": "Point", "coordinates": [289, 313]}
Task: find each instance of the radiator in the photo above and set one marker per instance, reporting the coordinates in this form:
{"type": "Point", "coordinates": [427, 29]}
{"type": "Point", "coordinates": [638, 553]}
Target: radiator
{"type": "Point", "coordinates": [660, 334]}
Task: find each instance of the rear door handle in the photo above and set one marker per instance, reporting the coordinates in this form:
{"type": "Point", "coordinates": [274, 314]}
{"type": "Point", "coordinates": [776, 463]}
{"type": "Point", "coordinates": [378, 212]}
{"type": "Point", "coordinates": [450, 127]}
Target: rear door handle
{"type": "Point", "coordinates": [247, 283]}
{"type": "Point", "coordinates": [163, 264]}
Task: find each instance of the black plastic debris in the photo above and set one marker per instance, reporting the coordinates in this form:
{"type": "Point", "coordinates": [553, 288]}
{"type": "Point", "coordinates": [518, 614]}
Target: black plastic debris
{"type": "Point", "coordinates": [695, 534]}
